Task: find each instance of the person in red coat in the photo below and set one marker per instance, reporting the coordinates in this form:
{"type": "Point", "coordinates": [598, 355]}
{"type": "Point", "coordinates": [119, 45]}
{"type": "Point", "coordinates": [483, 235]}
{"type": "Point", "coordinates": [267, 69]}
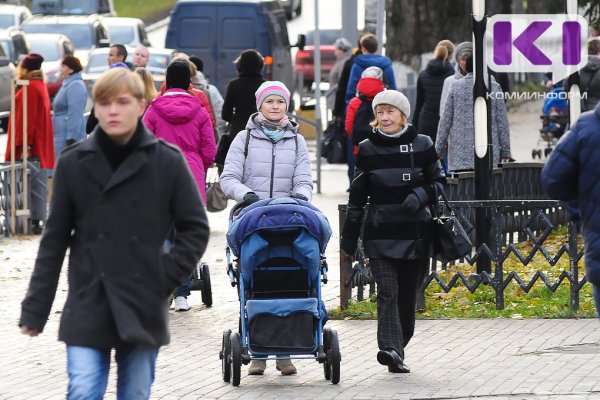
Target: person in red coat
{"type": "Point", "coordinates": [40, 138]}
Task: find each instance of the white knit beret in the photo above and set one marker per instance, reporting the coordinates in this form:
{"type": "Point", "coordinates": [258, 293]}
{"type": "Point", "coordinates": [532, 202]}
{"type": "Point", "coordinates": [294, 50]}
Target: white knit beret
{"type": "Point", "coordinates": [393, 98]}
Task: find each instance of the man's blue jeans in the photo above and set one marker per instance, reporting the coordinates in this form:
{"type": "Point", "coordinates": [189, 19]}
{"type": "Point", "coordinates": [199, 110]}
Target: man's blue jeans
{"type": "Point", "coordinates": [88, 371]}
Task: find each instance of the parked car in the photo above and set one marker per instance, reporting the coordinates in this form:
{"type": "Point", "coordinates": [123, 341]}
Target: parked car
{"type": "Point", "coordinates": [291, 7]}
{"type": "Point", "coordinates": [13, 15]}
{"type": "Point", "coordinates": [7, 73]}
{"type": "Point", "coordinates": [305, 58]}
{"type": "Point", "coordinates": [127, 31]}
{"type": "Point", "coordinates": [73, 7]}
{"type": "Point", "coordinates": [85, 32]}
{"type": "Point", "coordinates": [218, 31]}
{"type": "Point", "coordinates": [15, 44]}
{"type": "Point", "coordinates": [158, 61]}
{"type": "Point", "coordinates": [53, 47]}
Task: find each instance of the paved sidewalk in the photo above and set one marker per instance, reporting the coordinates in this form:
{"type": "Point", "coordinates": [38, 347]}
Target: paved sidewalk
{"type": "Point", "coordinates": [450, 359]}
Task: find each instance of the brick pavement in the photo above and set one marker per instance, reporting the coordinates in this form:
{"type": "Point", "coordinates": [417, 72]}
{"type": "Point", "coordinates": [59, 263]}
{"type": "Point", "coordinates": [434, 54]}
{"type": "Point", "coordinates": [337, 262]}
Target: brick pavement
{"type": "Point", "coordinates": [450, 359]}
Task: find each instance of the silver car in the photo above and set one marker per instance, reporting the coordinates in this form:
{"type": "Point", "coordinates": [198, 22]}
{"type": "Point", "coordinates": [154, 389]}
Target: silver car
{"type": "Point", "coordinates": [7, 73]}
{"type": "Point", "coordinates": [13, 15]}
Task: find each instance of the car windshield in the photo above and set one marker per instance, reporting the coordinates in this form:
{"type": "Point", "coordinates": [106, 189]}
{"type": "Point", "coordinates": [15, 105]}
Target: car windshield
{"type": "Point", "coordinates": [54, 7]}
{"type": "Point", "coordinates": [327, 36]}
{"type": "Point", "coordinates": [97, 63]}
{"type": "Point", "coordinates": [48, 49]}
{"type": "Point", "coordinates": [121, 34]}
{"type": "Point", "coordinates": [6, 21]}
{"type": "Point", "coordinates": [79, 34]}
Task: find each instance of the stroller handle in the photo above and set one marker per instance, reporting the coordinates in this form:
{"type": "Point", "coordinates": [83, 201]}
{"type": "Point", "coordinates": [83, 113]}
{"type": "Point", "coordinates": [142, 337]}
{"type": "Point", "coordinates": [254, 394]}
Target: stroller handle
{"type": "Point", "coordinates": [235, 210]}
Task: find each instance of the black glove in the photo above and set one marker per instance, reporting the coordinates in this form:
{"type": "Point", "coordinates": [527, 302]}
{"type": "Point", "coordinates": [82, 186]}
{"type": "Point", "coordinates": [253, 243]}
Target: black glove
{"type": "Point", "coordinates": [70, 141]}
{"type": "Point", "coordinates": [299, 196]}
{"type": "Point", "coordinates": [410, 204]}
{"type": "Point", "coordinates": [250, 198]}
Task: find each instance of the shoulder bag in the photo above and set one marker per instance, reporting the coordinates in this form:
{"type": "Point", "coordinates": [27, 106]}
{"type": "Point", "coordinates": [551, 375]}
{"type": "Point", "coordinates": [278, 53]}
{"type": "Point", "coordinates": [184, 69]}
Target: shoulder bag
{"type": "Point", "coordinates": [451, 242]}
{"type": "Point", "coordinates": [216, 200]}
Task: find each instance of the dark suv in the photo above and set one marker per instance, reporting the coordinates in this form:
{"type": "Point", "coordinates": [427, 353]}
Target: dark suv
{"type": "Point", "coordinates": [85, 32]}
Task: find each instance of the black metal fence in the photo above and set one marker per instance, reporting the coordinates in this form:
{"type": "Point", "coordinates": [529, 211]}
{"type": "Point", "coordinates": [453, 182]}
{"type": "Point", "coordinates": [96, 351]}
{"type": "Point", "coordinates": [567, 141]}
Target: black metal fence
{"type": "Point", "coordinates": [513, 222]}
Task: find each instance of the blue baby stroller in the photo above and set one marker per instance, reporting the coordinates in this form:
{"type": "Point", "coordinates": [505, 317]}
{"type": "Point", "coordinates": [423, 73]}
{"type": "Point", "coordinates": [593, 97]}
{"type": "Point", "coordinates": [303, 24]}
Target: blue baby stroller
{"type": "Point", "coordinates": [555, 121]}
{"type": "Point", "coordinates": [280, 246]}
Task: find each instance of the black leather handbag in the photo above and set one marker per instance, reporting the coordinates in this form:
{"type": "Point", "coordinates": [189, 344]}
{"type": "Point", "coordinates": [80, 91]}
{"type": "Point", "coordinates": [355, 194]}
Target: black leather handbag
{"type": "Point", "coordinates": [450, 241]}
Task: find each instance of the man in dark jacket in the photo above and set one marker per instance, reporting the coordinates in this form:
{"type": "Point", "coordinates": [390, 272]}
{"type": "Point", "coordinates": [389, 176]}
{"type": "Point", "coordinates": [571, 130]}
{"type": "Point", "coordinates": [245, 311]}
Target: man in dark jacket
{"type": "Point", "coordinates": [590, 78]}
{"type": "Point", "coordinates": [571, 174]}
{"type": "Point", "coordinates": [369, 58]}
{"type": "Point", "coordinates": [116, 196]}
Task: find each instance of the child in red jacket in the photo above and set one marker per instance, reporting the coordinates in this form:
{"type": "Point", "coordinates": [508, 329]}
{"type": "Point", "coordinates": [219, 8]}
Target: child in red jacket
{"type": "Point", "coordinates": [360, 113]}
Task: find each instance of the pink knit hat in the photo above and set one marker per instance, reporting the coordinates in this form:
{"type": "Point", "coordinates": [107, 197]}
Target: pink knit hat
{"type": "Point", "coordinates": [272, 87]}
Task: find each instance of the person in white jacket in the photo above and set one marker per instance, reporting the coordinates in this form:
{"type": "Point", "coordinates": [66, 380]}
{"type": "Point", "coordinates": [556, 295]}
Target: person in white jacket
{"type": "Point", "coordinates": [268, 159]}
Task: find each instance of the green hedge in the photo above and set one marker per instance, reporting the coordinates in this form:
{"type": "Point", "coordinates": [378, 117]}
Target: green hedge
{"type": "Point", "coordinates": [146, 10]}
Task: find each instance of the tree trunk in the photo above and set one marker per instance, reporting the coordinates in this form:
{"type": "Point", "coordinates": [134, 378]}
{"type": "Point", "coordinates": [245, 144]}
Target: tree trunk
{"type": "Point", "coordinates": [414, 27]}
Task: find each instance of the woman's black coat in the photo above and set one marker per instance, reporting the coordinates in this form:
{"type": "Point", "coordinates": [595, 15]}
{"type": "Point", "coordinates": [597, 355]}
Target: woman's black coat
{"type": "Point", "coordinates": [240, 101]}
{"type": "Point", "coordinates": [387, 170]}
{"type": "Point", "coordinates": [115, 223]}
{"type": "Point", "coordinates": [429, 91]}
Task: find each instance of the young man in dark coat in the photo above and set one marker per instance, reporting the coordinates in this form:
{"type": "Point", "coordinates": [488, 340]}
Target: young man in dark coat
{"type": "Point", "coordinates": [116, 196]}
{"type": "Point", "coordinates": [571, 174]}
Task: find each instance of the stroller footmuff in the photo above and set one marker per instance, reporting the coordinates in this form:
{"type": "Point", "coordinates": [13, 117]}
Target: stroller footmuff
{"type": "Point", "coordinates": [280, 245]}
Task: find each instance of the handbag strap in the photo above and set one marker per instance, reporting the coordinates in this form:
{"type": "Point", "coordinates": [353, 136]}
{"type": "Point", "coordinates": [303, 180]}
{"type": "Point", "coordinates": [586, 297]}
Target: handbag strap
{"type": "Point", "coordinates": [439, 191]}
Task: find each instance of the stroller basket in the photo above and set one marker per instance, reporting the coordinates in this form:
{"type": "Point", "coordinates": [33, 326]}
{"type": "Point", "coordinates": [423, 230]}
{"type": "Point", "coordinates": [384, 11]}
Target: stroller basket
{"type": "Point", "coordinates": [278, 325]}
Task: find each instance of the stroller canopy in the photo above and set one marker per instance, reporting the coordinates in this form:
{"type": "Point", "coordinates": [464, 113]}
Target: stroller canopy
{"type": "Point", "coordinates": [278, 213]}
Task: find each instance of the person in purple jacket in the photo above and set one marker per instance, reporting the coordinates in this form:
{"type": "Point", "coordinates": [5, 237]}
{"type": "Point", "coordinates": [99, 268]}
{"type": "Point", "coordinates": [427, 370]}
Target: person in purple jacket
{"type": "Point", "coordinates": [179, 118]}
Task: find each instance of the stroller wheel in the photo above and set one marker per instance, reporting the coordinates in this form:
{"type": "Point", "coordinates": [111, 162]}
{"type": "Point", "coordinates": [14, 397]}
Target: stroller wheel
{"type": "Point", "coordinates": [235, 358]}
{"type": "Point", "coordinates": [326, 344]}
{"type": "Point", "coordinates": [206, 288]}
{"type": "Point", "coordinates": [547, 151]}
{"type": "Point", "coordinates": [334, 357]}
{"type": "Point", "coordinates": [224, 355]}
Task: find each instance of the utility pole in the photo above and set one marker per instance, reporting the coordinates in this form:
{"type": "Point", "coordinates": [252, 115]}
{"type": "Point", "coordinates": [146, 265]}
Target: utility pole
{"type": "Point", "coordinates": [350, 20]}
{"type": "Point", "coordinates": [483, 133]}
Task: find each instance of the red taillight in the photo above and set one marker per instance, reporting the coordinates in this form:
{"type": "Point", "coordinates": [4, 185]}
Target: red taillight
{"type": "Point", "coordinates": [268, 69]}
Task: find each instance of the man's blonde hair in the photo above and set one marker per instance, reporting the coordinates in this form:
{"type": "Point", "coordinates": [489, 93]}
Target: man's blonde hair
{"type": "Point", "coordinates": [375, 124]}
{"type": "Point", "coordinates": [117, 81]}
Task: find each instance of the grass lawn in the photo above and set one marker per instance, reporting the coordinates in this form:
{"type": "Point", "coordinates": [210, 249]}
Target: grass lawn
{"type": "Point", "coordinates": [540, 302]}
{"type": "Point", "coordinates": [141, 8]}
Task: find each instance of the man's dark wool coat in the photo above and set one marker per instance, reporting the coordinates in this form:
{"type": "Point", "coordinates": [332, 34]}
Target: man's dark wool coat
{"type": "Point", "coordinates": [115, 223]}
